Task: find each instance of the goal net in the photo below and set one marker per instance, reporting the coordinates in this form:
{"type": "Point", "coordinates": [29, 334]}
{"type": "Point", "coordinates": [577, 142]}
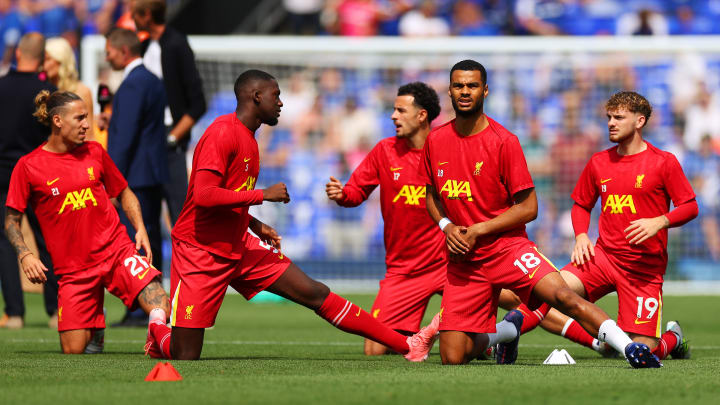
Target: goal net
{"type": "Point", "coordinates": [338, 96]}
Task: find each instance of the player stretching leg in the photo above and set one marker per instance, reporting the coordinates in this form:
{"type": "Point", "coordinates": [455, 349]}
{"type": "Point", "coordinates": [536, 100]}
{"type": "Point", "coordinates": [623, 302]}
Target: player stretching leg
{"type": "Point", "coordinates": [69, 183]}
{"type": "Point", "coordinates": [635, 182]}
{"type": "Point", "coordinates": [212, 248]}
{"type": "Point", "coordinates": [416, 260]}
{"type": "Point", "coordinates": [477, 176]}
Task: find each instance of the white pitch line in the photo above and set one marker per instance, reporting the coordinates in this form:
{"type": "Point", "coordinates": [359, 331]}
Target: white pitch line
{"type": "Point", "coordinates": [296, 343]}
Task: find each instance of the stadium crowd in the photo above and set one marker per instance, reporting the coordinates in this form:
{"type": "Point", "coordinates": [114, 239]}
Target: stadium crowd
{"type": "Point", "coordinates": [498, 17]}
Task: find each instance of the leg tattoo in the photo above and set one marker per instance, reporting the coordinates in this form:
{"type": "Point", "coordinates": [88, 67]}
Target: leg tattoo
{"type": "Point", "coordinates": [153, 296]}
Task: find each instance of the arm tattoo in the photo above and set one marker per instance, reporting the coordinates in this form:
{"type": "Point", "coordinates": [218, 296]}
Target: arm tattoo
{"type": "Point", "coordinates": [13, 232]}
{"type": "Point", "coordinates": [153, 296]}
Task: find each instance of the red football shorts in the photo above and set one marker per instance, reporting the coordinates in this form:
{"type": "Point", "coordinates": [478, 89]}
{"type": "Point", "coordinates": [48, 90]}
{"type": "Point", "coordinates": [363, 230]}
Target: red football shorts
{"type": "Point", "coordinates": [403, 298]}
{"type": "Point", "coordinates": [639, 294]}
{"type": "Point", "coordinates": [470, 300]}
{"type": "Point", "coordinates": [80, 295]}
{"type": "Point", "coordinates": [199, 279]}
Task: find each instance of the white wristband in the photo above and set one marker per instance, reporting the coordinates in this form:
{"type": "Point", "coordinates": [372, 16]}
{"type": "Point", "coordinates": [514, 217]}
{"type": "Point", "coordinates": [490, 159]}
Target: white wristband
{"type": "Point", "coordinates": [443, 223]}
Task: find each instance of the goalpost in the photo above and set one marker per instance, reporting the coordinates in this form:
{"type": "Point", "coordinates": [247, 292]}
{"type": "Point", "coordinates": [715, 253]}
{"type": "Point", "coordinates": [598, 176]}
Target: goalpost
{"type": "Point", "coordinates": [550, 91]}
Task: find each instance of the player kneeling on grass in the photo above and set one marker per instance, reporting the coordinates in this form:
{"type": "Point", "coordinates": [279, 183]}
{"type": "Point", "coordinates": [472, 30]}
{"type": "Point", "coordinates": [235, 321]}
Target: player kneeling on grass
{"type": "Point", "coordinates": [416, 260]}
{"type": "Point", "coordinates": [635, 182]}
{"type": "Point", "coordinates": [212, 248]}
{"type": "Point", "coordinates": [481, 194]}
{"type": "Point", "coordinates": [69, 183]}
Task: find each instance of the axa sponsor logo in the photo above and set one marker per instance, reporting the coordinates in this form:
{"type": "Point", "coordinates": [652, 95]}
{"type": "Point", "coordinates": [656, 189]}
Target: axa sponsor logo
{"type": "Point", "coordinates": [412, 194]}
{"type": "Point", "coordinates": [457, 189]}
{"type": "Point", "coordinates": [78, 200]}
{"type": "Point", "coordinates": [618, 202]}
{"type": "Point", "coordinates": [248, 185]}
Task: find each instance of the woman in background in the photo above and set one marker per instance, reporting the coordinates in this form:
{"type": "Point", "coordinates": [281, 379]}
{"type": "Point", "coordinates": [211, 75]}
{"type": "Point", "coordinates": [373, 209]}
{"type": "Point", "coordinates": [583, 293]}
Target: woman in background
{"type": "Point", "coordinates": [62, 72]}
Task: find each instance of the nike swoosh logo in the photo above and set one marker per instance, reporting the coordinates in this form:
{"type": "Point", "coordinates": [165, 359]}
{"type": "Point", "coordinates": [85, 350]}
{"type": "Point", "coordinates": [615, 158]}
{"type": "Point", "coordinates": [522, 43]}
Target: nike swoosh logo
{"type": "Point", "coordinates": [246, 159]}
{"type": "Point", "coordinates": [394, 169]}
{"type": "Point", "coordinates": [358, 314]}
{"type": "Point", "coordinates": [142, 276]}
{"type": "Point", "coordinates": [604, 181]}
{"type": "Point", "coordinates": [50, 183]}
{"type": "Point", "coordinates": [639, 322]}
{"type": "Point", "coordinates": [442, 163]}
{"type": "Point", "coordinates": [531, 275]}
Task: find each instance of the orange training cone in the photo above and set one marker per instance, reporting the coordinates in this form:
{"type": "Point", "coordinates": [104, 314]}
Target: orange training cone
{"type": "Point", "coordinates": [163, 372]}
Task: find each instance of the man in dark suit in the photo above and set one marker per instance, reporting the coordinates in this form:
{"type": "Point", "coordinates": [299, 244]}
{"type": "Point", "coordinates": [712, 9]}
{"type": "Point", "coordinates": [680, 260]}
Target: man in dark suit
{"type": "Point", "coordinates": [136, 133]}
{"type": "Point", "coordinates": [167, 54]}
{"type": "Point", "coordinates": [20, 133]}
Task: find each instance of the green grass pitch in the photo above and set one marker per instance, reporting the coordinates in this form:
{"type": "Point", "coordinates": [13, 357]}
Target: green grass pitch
{"type": "Point", "coordinates": [285, 354]}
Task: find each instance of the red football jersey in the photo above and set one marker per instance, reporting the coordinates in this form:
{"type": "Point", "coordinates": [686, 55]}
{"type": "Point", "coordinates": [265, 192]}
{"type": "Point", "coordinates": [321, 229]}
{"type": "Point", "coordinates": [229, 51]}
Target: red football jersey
{"type": "Point", "coordinates": [476, 177]}
{"type": "Point", "coordinates": [69, 193]}
{"type": "Point", "coordinates": [630, 188]}
{"type": "Point", "coordinates": [413, 242]}
{"type": "Point", "coordinates": [228, 148]}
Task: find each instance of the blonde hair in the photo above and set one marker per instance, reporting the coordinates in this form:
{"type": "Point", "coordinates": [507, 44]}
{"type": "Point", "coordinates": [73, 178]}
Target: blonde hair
{"type": "Point", "coordinates": [47, 105]}
{"type": "Point", "coordinates": [60, 50]}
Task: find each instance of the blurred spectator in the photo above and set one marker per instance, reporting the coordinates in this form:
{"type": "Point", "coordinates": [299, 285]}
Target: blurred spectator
{"type": "Point", "coordinates": [711, 233]}
{"type": "Point", "coordinates": [602, 15]}
{"type": "Point", "coordinates": [97, 16]}
{"type": "Point", "coordinates": [684, 21]}
{"type": "Point", "coordinates": [703, 171]}
{"type": "Point", "coordinates": [21, 133]}
{"type": "Point", "coordinates": [702, 168]}
{"type": "Point", "coordinates": [540, 17]}
{"type": "Point", "coordinates": [312, 127]}
{"type": "Point", "coordinates": [468, 19]}
{"type": "Point", "coordinates": [11, 28]}
{"type": "Point", "coordinates": [356, 126]}
{"type": "Point", "coordinates": [298, 97]}
{"type": "Point", "coordinates": [330, 88]}
{"type": "Point", "coordinates": [127, 21]}
{"type": "Point", "coordinates": [357, 17]}
{"type": "Point", "coordinates": [62, 72]}
{"type": "Point", "coordinates": [645, 21]}
{"type": "Point", "coordinates": [423, 22]}
{"type": "Point", "coordinates": [538, 158]}
{"type": "Point", "coordinates": [57, 18]}
{"type": "Point", "coordinates": [390, 24]}
{"type": "Point", "coordinates": [702, 118]}
{"type": "Point", "coordinates": [570, 152]}
{"type": "Point", "coordinates": [688, 69]}
{"type": "Point", "coordinates": [304, 16]}
{"type": "Point", "coordinates": [499, 14]}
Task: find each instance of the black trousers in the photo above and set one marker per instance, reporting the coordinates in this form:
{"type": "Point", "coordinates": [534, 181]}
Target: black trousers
{"type": "Point", "coordinates": [150, 199]}
{"type": "Point", "coordinates": [175, 190]}
{"type": "Point", "coordinates": [10, 273]}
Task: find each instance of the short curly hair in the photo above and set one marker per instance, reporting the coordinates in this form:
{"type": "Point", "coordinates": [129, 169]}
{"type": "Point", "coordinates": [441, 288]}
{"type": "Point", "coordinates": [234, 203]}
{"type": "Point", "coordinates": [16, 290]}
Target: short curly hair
{"type": "Point", "coordinates": [423, 97]}
{"type": "Point", "coordinates": [470, 65]}
{"type": "Point", "coordinates": [632, 101]}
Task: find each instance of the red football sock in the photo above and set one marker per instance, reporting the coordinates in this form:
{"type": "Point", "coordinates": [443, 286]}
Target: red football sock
{"type": "Point", "coordinates": [161, 333]}
{"type": "Point", "coordinates": [667, 343]}
{"type": "Point", "coordinates": [577, 334]}
{"type": "Point", "coordinates": [350, 318]}
{"type": "Point", "coordinates": [532, 318]}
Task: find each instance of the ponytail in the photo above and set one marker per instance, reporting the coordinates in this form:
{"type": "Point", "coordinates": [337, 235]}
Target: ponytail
{"type": "Point", "coordinates": [47, 105]}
